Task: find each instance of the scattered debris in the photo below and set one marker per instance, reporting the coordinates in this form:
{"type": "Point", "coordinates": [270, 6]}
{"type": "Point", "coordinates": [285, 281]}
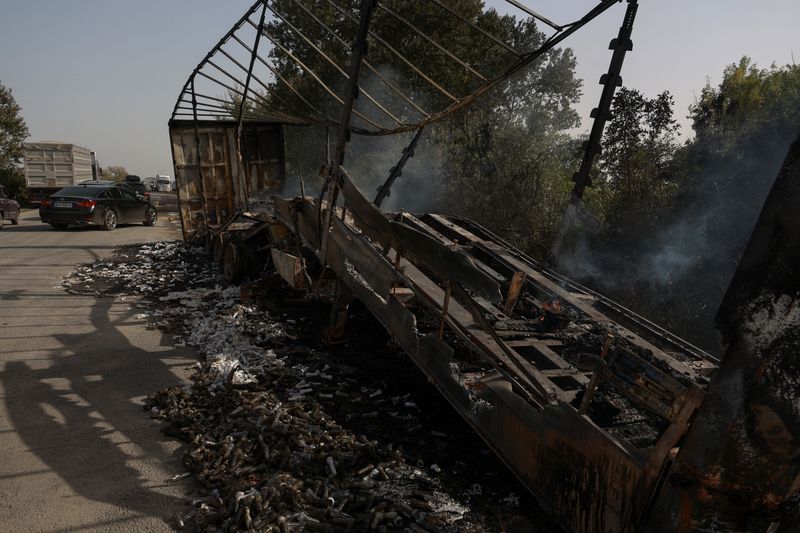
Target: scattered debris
{"type": "Point", "coordinates": [283, 434]}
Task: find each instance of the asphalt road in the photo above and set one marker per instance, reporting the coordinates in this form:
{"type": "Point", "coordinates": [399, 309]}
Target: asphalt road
{"type": "Point", "coordinates": [77, 452]}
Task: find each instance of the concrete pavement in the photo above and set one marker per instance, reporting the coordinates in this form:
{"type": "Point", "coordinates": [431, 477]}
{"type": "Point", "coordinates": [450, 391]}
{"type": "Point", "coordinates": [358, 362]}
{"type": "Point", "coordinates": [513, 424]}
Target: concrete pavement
{"type": "Point", "coordinates": [77, 453]}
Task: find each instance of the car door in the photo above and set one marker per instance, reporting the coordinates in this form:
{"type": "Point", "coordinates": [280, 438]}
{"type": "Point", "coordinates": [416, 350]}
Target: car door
{"type": "Point", "coordinates": [127, 205]}
{"type": "Point", "coordinates": [114, 201]}
{"type": "Point", "coordinates": [133, 206]}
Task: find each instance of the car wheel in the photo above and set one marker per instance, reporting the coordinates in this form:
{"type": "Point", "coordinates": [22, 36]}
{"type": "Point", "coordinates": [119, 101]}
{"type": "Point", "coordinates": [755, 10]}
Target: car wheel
{"type": "Point", "coordinates": [110, 220]}
{"type": "Point", "coordinates": [15, 220]}
{"type": "Point", "coordinates": [59, 226]}
{"type": "Point", "coordinates": [150, 217]}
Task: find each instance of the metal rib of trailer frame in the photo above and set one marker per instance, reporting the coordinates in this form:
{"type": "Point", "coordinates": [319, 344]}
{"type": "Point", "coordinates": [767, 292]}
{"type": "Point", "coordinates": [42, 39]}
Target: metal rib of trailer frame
{"type": "Point", "coordinates": [433, 42]}
{"type": "Point", "coordinates": [337, 67]}
{"type": "Point", "coordinates": [366, 9]}
{"type": "Point", "coordinates": [367, 64]}
{"type": "Point", "coordinates": [534, 14]}
{"type": "Point", "coordinates": [315, 76]}
{"type": "Point", "coordinates": [250, 70]}
{"type": "Point", "coordinates": [397, 54]}
{"type": "Point", "coordinates": [222, 41]}
{"type": "Point", "coordinates": [288, 84]}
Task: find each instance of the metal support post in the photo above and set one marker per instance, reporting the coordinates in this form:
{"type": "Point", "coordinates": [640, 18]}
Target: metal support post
{"type": "Point", "coordinates": [601, 114]}
{"type": "Point", "coordinates": [397, 170]}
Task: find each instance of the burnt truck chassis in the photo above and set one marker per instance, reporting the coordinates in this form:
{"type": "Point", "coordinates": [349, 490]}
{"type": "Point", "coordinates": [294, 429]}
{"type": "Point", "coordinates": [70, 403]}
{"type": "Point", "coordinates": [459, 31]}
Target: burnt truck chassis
{"type": "Point", "coordinates": [612, 423]}
{"type": "Point", "coordinates": [588, 404]}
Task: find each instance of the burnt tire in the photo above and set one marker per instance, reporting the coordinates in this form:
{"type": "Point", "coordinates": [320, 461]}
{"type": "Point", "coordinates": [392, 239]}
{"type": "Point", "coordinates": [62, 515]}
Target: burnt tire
{"type": "Point", "coordinates": [218, 242]}
{"type": "Point", "coordinates": [150, 216]}
{"type": "Point", "coordinates": [110, 220]}
{"type": "Point", "coordinates": [208, 244]}
{"type": "Point", "coordinates": [232, 264]}
{"type": "Point", "coordinates": [15, 220]}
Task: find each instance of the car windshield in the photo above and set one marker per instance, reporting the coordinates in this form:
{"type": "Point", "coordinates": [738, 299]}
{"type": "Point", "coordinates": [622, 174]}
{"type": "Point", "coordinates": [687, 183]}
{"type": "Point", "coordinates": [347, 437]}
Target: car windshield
{"type": "Point", "coordinates": [83, 192]}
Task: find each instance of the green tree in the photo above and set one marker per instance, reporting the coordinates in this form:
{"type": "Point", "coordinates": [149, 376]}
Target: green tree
{"type": "Point", "coordinates": [13, 130]}
{"type": "Point", "coordinates": [13, 179]}
{"type": "Point", "coordinates": [114, 173]}
{"type": "Point", "coordinates": [678, 218]}
{"type": "Point", "coordinates": [635, 179]}
{"type": "Point", "coordinates": [508, 158]}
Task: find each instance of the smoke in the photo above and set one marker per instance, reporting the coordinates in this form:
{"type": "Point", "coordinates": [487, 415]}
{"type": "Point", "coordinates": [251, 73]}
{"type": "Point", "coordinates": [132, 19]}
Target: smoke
{"type": "Point", "coordinates": [369, 159]}
{"type": "Point", "coordinates": [678, 274]}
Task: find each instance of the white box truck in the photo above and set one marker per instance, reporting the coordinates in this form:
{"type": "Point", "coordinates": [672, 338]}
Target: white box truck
{"type": "Point", "coordinates": [164, 183]}
{"type": "Point", "coordinates": [52, 165]}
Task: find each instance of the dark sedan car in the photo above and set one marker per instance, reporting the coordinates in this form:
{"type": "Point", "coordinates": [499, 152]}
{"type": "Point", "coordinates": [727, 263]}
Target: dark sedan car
{"type": "Point", "coordinates": [138, 188]}
{"type": "Point", "coordinates": [104, 204]}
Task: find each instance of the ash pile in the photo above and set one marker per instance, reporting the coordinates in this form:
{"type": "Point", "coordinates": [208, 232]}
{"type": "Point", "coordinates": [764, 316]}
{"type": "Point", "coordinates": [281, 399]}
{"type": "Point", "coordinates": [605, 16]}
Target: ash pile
{"type": "Point", "coordinates": [285, 434]}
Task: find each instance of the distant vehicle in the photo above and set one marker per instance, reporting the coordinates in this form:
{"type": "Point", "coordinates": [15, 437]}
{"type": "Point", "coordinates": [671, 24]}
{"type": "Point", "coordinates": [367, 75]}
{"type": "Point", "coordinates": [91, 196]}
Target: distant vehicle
{"type": "Point", "coordinates": [130, 178]}
{"type": "Point", "coordinates": [104, 204]}
{"type": "Point", "coordinates": [165, 183]}
{"type": "Point", "coordinates": [9, 208]}
{"type": "Point", "coordinates": [50, 166]}
{"type": "Point", "coordinates": [150, 183]}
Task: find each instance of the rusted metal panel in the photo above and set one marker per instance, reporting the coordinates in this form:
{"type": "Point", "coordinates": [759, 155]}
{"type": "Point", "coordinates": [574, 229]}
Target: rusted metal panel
{"type": "Point", "coordinates": [447, 263]}
{"type": "Point", "coordinates": [289, 267]}
{"type": "Point", "coordinates": [211, 187]}
{"type": "Point", "coordinates": [364, 258]}
{"type": "Point", "coordinates": [739, 466]}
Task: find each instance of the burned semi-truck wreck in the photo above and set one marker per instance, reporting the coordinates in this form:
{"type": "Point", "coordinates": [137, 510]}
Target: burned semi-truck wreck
{"type": "Point", "coordinates": [611, 422]}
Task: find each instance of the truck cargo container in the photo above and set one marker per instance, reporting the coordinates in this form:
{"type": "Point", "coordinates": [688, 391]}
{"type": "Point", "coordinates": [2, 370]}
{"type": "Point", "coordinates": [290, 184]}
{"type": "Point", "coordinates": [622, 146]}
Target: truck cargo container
{"type": "Point", "coordinates": [50, 166]}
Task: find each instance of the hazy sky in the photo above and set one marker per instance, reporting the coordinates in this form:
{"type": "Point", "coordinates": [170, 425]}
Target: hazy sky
{"type": "Point", "coordinates": [105, 73]}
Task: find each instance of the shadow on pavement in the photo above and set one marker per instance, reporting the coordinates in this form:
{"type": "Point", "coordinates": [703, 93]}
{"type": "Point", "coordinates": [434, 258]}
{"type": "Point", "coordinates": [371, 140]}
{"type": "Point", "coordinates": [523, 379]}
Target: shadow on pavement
{"type": "Point", "coordinates": [78, 417]}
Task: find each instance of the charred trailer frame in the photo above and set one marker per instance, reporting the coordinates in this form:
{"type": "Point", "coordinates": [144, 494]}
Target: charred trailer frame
{"type": "Point", "coordinates": [614, 424]}
{"type": "Point", "coordinates": [225, 176]}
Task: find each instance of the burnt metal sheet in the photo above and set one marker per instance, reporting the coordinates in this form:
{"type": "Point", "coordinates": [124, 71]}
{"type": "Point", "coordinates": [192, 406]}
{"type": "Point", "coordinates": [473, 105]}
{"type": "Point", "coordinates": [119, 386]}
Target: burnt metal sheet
{"type": "Point", "coordinates": [419, 247]}
{"type": "Point", "coordinates": [739, 467]}
{"type": "Point", "coordinates": [289, 267]}
{"type": "Point", "coordinates": [211, 184]}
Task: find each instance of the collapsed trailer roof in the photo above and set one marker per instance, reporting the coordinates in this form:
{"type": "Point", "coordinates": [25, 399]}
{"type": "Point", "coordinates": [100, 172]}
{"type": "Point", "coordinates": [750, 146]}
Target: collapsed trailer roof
{"type": "Point", "coordinates": [291, 61]}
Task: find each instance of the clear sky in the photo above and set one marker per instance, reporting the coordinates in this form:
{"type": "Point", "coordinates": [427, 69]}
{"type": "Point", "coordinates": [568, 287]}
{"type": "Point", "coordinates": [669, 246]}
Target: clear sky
{"type": "Point", "coordinates": [105, 73]}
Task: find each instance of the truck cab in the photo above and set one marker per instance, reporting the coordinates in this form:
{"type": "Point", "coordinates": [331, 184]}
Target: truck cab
{"type": "Point", "coordinates": [164, 183]}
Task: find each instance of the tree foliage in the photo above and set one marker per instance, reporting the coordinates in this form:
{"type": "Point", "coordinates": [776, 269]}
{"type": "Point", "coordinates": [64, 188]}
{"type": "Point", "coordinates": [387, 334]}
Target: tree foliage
{"type": "Point", "coordinates": [635, 178]}
{"type": "Point", "coordinates": [507, 160]}
{"type": "Point", "coordinates": [678, 217]}
{"type": "Point", "coordinates": [13, 179]}
{"type": "Point", "coordinates": [114, 173]}
{"type": "Point", "coordinates": [13, 130]}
